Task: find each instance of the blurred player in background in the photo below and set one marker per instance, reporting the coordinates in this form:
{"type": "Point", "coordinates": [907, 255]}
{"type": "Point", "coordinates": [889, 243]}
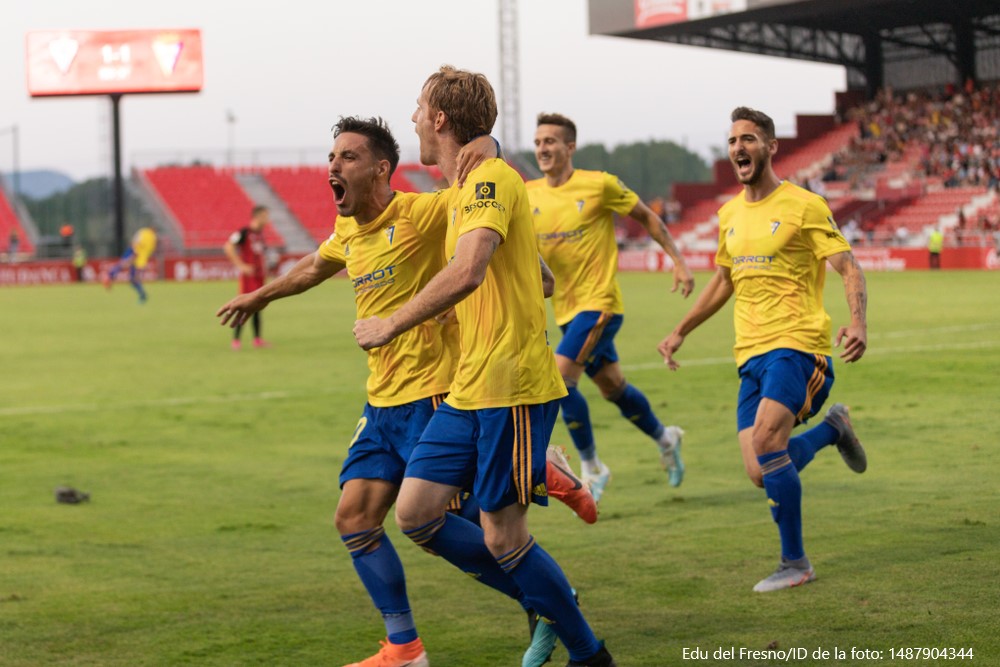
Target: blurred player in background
{"type": "Point", "coordinates": [493, 428]}
{"type": "Point", "coordinates": [135, 260]}
{"type": "Point", "coordinates": [246, 249]}
{"type": "Point", "coordinates": [775, 240]}
{"type": "Point", "coordinates": [391, 243]}
{"type": "Point", "coordinates": [573, 214]}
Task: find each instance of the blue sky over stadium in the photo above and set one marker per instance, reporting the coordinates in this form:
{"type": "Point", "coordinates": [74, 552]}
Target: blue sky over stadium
{"type": "Point", "coordinates": [287, 70]}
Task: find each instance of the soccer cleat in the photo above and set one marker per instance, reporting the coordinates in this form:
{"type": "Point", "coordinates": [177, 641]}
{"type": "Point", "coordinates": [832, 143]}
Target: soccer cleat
{"type": "Point", "coordinates": [236, 344]}
{"type": "Point", "coordinates": [847, 444]}
{"type": "Point", "coordinates": [600, 659]}
{"type": "Point", "coordinates": [260, 342]}
{"type": "Point", "coordinates": [411, 654]}
{"type": "Point", "coordinates": [543, 641]}
{"type": "Point", "coordinates": [566, 487]}
{"type": "Point", "coordinates": [597, 481]}
{"type": "Point", "coordinates": [785, 576]}
{"type": "Point", "coordinates": [670, 454]}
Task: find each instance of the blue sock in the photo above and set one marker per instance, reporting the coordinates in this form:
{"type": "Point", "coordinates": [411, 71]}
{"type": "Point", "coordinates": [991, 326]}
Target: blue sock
{"type": "Point", "coordinates": [576, 414]}
{"type": "Point", "coordinates": [460, 542]}
{"type": "Point", "coordinates": [635, 407]}
{"type": "Point", "coordinates": [136, 283]}
{"type": "Point", "coordinates": [547, 591]}
{"type": "Point", "coordinates": [378, 566]}
{"type": "Point", "coordinates": [803, 447]}
{"type": "Point", "coordinates": [784, 495]}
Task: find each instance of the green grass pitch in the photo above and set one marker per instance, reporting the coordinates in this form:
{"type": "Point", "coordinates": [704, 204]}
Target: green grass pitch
{"type": "Point", "coordinates": [208, 539]}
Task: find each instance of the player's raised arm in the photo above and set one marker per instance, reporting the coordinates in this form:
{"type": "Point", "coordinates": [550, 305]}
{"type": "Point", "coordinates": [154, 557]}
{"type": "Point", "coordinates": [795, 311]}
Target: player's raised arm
{"type": "Point", "coordinates": [658, 231]}
{"type": "Point", "coordinates": [855, 335]}
{"type": "Point", "coordinates": [308, 272]}
{"type": "Point", "coordinates": [712, 298]}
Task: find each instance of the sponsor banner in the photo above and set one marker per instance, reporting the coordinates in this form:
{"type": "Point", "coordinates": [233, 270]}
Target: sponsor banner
{"type": "Point", "coordinates": [92, 62]}
{"type": "Point", "coordinates": [189, 269]}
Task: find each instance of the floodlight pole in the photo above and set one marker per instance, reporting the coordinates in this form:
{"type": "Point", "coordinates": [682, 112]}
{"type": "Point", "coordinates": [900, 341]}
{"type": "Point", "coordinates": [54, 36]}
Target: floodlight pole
{"type": "Point", "coordinates": [119, 185]}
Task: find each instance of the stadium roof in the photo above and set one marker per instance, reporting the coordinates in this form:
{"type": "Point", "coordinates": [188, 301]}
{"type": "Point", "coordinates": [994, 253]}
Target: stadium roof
{"type": "Point", "coordinates": [901, 43]}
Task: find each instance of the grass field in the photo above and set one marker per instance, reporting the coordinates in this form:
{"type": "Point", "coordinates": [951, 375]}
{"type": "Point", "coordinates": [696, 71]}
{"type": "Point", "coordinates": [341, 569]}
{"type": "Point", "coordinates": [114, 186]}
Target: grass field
{"type": "Point", "coordinates": [209, 541]}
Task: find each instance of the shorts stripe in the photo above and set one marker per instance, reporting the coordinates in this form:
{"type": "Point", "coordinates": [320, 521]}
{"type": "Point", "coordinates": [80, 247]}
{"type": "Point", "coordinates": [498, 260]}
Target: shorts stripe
{"type": "Point", "coordinates": [815, 384]}
{"type": "Point", "coordinates": [522, 453]}
{"type": "Point", "coordinates": [437, 400]}
{"type": "Point", "coordinates": [593, 338]}
{"type": "Point", "coordinates": [455, 504]}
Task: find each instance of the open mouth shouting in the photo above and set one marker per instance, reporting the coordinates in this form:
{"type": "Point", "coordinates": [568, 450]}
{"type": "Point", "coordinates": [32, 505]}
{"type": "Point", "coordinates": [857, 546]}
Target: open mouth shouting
{"type": "Point", "coordinates": [339, 188]}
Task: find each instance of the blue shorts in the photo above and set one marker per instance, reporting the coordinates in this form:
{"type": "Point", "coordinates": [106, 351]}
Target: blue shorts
{"type": "Point", "coordinates": [497, 452]}
{"type": "Point", "coordinates": [589, 339]}
{"type": "Point", "coordinates": [798, 380]}
{"type": "Point", "coordinates": [384, 440]}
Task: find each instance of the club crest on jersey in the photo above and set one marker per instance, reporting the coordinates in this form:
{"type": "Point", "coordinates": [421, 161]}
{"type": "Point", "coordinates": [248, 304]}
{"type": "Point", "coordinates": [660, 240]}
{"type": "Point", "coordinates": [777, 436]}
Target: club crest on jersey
{"type": "Point", "coordinates": [774, 226]}
{"type": "Point", "coordinates": [454, 214]}
{"type": "Point", "coordinates": [486, 190]}
{"type": "Point", "coordinates": [347, 250]}
{"type": "Point", "coordinates": [579, 205]}
{"type": "Point", "coordinates": [536, 211]}
{"type": "Point", "coordinates": [731, 232]}
{"type": "Point", "coordinates": [833, 225]}
{"type": "Point", "coordinates": [390, 233]}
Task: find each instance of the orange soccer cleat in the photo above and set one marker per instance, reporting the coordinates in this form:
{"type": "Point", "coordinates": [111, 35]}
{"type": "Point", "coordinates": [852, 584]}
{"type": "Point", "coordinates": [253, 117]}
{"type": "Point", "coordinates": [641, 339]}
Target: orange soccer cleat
{"type": "Point", "coordinates": [566, 487]}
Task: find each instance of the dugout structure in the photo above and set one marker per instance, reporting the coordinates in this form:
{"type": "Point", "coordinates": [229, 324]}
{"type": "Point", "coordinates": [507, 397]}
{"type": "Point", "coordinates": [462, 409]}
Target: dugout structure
{"type": "Point", "coordinates": [904, 44]}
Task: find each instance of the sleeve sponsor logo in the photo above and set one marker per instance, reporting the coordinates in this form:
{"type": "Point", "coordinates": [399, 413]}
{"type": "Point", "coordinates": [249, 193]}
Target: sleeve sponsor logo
{"type": "Point", "coordinates": [486, 190]}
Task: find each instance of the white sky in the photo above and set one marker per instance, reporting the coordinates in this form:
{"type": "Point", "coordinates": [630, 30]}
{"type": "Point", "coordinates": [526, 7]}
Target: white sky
{"type": "Point", "coordinates": [288, 69]}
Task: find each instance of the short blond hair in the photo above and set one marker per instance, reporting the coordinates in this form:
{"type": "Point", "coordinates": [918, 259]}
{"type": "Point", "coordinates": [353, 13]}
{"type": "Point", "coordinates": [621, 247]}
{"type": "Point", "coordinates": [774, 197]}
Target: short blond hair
{"type": "Point", "coordinates": [466, 98]}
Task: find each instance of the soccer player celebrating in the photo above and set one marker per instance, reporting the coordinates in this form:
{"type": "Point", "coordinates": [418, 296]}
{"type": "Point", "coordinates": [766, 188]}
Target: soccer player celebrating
{"type": "Point", "coordinates": [391, 243]}
{"type": "Point", "coordinates": [245, 249]}
{"type": "Point", "coordinates": [572, 211]}
{"type": "Point", "coordinates": [494, 426]}
{"type": "Point", "coordinates": [775, 240]}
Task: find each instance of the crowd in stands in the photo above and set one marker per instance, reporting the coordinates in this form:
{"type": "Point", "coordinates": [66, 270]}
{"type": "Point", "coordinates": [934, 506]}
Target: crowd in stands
{"type": "Point", "coordinates": [954, 135]}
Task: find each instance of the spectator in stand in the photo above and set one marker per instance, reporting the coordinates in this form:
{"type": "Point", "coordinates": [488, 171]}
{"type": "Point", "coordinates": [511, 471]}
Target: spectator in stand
{"type": "Point", "coordinates": [246, 249]}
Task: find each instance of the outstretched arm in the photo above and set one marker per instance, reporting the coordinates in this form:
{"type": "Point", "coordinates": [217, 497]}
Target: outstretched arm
{"type": "Point", "coordinates": [712, 298]}
{"type": "Point", "coordinates": [658, 230]}
{"type": "Point", "coordinates": [855, 335]}
{"type": "Point", "coordinates": [453, 283]}
{"type": "Point", "coordinates": [310, 271]}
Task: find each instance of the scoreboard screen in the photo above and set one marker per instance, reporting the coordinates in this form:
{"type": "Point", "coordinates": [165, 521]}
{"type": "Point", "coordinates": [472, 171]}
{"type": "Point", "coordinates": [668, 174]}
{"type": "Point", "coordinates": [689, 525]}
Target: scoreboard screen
{"type": "Point", "coordinates": [90, 62]}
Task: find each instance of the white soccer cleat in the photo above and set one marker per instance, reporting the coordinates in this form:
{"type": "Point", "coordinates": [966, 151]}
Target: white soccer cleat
{"type": "Point", "coordinates": [597, 481]}
{"type": "Point", "coordinates": [670, 454]}
{"type": "Point", "coordinates": [785, 576]}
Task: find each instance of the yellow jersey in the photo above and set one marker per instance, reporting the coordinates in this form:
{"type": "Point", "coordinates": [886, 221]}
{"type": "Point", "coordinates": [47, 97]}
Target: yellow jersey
{"type": "Point", "coordinates": [776, 252]}
{"type": "Point", "coordinates": [575, 230]}
{"type": "Point", "coordinates": [143, 245]}
{"type": "Point", "coordinates": [388, 261]}
{"type": "Point", "coordinates": [505, 355]}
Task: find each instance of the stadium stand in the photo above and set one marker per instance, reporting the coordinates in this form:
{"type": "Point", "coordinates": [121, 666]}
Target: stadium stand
{"type": "Point", "coordinates": [207, 203]}
{"type": "Point", "coordinates": [8, 223]}
{"type": "Point", "coordinates": [306, 192]}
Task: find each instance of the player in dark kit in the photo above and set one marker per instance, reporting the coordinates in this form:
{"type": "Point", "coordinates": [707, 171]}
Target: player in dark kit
{"type": "Point", "coordinates": [245, 249]}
